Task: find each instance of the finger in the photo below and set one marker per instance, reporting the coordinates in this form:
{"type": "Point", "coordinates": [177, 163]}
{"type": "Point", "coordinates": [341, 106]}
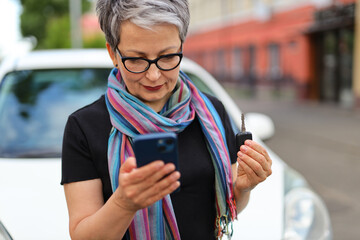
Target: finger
{"type": "Point", "coordinates": [138, 175]}
{"type": "Point", "coordinates": [256, 156]}
{"type": "Point", "coordinates": [128, 165]}
{"type": "Point", "coordinates": [156, 177]}
{"type": "Point", "coordinates": [253, 165]}
{"type": "Point", "coordinates": [257, 147]}
{"type": "Point", "coordinates": [162, 194]}
{"type": "Point", "coordinates": [165, 183]}
{"type": "Point", "coordinates": [248, 171]}
{"type": "Point", "coordinates": [160, 189]}
{"type": "Point", "coordinates": [261, 150]}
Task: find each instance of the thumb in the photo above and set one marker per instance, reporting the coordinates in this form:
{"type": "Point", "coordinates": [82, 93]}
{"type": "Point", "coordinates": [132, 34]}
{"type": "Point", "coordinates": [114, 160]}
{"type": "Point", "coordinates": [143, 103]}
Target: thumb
{"type": "Point", "coordinates": [128, 165]}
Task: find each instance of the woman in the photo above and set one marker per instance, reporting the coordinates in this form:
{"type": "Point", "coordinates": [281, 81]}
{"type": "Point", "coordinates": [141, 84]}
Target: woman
{"type": "Point", "coordinates": [108, 197]}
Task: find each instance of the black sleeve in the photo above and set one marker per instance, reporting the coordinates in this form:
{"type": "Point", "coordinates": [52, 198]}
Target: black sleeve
{"type": "Point", "coordinates": [77, 164]}
{"type": "Point", "coordinates": [229, 132]}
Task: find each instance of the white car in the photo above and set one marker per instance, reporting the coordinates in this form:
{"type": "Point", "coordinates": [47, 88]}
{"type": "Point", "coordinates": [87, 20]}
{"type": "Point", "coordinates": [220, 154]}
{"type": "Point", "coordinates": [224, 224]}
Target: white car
{"type": "Point", "coordinates": [39, 89]}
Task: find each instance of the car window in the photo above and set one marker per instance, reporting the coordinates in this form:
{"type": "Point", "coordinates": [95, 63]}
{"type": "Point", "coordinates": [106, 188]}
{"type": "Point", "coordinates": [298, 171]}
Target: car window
{"type": "Point", "coordinates": [35, 104]}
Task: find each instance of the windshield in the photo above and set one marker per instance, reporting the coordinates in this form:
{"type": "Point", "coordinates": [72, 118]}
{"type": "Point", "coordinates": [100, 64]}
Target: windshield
{"type": "Point", "coordinates": [35, 104]}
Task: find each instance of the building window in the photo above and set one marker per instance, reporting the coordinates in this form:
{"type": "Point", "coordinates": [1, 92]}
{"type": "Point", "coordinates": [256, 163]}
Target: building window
{"type": "Point", "coordinates": [274, 67]}
{"type": "Point", "coordinates": [221, 65]}
{"type": "Point", "coordinates": [208, 61]}
{"type": "Point", "coordinates": [251, 68]}
{"type": "Point", "coordinates": [237, 64]}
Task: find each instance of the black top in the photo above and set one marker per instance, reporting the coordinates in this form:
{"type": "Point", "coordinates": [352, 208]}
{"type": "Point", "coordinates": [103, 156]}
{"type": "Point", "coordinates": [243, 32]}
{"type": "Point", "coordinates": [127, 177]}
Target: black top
{"type": "Point", "coordinates": [84, 157]}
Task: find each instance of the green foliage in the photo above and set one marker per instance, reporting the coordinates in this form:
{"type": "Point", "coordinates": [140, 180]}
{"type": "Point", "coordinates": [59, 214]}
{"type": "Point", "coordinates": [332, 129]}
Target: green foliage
{"type": "Point", "coordinates": [39, 16]}
{"type": "Point", "coordinates": [98, 41]}
{"type": "Point", "coordinates": [57, 33]}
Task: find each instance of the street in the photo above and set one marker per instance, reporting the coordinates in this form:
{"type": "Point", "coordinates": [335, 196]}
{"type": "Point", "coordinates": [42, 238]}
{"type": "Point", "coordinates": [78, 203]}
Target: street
{"type": "Point", "coordinates": [322, 142]}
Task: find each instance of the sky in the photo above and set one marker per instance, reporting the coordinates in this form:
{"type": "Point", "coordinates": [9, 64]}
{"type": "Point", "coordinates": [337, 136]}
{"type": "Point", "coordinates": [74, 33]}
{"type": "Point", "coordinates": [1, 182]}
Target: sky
{"type": "Point", "coordinates": [10, 37]}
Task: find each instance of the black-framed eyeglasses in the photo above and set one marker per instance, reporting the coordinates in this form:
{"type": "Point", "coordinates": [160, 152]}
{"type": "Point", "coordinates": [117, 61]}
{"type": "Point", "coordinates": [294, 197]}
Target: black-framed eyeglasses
{"type": "Point", "coordinates": [165, 62]}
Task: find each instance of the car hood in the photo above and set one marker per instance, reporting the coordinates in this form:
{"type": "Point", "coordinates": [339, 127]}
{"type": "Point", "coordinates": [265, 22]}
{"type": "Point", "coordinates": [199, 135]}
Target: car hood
{"type": "Point", "coordinates": [32, 201]}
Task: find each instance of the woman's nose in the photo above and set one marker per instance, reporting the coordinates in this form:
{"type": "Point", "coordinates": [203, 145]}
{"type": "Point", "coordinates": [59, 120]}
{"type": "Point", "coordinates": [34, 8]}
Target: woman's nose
{"type": "Point", "coordinates": [153, 73]}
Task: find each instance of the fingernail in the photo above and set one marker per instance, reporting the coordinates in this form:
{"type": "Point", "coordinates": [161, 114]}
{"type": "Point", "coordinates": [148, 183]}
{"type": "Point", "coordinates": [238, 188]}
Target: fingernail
{"type": "Point", "coordinates": [159, 164]}
{"type": "Point", "coordinates": [171, 166]}
{"type": "Point", "coordinates": [243, 148]}
{"type": "Point", "coordinates": [248, 142]}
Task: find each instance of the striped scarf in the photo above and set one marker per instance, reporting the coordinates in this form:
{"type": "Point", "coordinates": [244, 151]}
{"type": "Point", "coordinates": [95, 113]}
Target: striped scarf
{"type": "Point", "coordinates": [130, 117]}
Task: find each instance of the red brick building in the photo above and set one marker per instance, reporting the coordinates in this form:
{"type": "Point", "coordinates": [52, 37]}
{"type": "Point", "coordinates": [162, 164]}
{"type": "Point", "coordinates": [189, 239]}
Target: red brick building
{"type": "Point", "coordinates": [308, 48]}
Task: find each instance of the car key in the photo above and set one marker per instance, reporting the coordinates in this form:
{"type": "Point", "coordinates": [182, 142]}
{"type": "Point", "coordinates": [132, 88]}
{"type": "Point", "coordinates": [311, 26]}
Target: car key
{"type": "Point", "coordinates": [242, 136]}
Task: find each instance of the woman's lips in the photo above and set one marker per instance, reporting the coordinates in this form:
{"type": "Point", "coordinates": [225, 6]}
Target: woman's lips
{"type": "Point", "coordinates": [153, 88]}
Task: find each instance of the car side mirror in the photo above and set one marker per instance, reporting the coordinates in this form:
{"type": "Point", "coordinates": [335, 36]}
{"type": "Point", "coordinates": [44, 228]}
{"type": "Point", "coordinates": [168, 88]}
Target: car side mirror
{"type": "Point", "coordinates": [260, 125]}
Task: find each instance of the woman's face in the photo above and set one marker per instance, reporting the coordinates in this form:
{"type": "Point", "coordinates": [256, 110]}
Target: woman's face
{"type": "Point", "coordinates": [153, 86]}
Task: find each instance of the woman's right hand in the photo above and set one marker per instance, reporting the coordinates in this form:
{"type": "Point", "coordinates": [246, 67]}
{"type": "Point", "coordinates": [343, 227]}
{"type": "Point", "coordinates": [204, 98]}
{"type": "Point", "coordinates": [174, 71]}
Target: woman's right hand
{"type": "Point", "coordinates": [142, 187]}
{"type": "Point", "coordinates": [92, 218]}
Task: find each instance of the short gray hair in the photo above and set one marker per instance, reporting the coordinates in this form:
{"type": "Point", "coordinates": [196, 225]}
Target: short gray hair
{"type": "Point", "coordinates": [143, 13]}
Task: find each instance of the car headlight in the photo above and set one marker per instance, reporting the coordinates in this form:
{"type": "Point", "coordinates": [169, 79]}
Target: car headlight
{"type": "Point", "coordinates": [306, 215]}
{"type": "Point", "coordinates": [4, 235]}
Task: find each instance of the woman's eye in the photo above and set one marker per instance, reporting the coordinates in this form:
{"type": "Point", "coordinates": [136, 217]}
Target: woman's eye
{"type": "Point", "coordinates": [168, 58]}
{"type": "Point", "coordinates": [134, 60]}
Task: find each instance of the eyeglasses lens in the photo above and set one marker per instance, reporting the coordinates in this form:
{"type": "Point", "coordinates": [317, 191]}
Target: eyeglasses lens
{"type": "Point", "coordinates": [168, 62]}
{"type": "Point", "coordinates": [164, 63]}
{"type": "Point", "coordinates": [136, 65]}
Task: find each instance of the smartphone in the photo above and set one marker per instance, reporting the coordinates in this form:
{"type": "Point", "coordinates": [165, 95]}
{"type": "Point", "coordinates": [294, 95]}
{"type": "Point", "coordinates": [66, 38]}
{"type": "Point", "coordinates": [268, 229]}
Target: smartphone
{"type": "Point", "coordinates": [156, 146]}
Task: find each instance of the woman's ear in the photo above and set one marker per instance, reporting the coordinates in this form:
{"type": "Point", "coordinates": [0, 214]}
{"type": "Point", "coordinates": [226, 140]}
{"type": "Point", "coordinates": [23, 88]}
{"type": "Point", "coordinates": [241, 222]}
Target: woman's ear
{"type": "Point", "coordinates": [112, 54]}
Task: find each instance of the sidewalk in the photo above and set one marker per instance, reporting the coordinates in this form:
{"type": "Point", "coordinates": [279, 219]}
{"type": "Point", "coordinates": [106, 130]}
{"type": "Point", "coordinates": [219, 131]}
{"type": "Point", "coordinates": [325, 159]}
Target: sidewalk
{"type": "Point", "coordinates": [322, 142]}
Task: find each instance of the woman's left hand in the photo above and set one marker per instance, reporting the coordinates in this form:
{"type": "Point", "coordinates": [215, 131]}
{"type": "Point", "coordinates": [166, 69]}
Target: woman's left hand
{"type": "Point", "coordinates": [254, 166]}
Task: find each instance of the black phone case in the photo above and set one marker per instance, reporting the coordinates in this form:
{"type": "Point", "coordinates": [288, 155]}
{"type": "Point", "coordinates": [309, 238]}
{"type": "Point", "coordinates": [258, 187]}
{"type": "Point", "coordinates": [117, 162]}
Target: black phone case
{"type": "Point", "coordinates": [156, 146]}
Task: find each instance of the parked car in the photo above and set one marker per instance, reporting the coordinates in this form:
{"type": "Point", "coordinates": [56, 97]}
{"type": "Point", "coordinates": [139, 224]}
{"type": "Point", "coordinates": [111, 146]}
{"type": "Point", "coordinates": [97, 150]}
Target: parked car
{"type": "Point", "coordinates": [39, 89]}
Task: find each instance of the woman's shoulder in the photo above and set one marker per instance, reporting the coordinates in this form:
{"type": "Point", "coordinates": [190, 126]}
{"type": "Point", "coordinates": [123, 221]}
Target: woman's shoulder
{"type": "Point", "coordinates": [94, 111]}
{"type": "Point", "coordinates": [91, 120]}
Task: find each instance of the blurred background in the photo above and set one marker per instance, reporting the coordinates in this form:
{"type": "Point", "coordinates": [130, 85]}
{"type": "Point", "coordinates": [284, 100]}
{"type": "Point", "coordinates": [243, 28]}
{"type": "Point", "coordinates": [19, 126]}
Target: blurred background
{"type": "Point", "coordinates": [294, 60]}
{"type": "Point", "coordinates": [301, 49]}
